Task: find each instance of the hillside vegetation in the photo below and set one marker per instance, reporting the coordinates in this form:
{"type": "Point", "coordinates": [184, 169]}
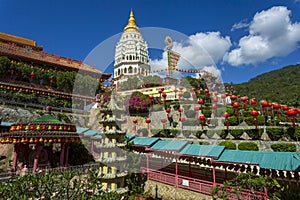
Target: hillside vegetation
{"type": "Point", "coordinates": [282, 86]}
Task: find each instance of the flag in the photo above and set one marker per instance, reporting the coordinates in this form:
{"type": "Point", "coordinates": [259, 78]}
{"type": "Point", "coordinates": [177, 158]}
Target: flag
{"type": "Point", "coordinates": [174, 58]}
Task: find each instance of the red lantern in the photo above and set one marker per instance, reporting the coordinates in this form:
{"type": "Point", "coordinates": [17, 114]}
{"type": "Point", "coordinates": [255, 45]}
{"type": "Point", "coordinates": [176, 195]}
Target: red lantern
{"type": "Point", "coordinates": [202, 118]}
{"type": "Point", "coordinates": [164, 95]}
{"type": "Point", "coordinates": [135, 122]}
{"type": "Point", "coordinates": [226, 115]}
{"type": "Point", "coordinates": [245, 100]}
{"type": "Point", "coordinates": [292, 113]}
{"type": "Point", "coordinates": [32, 75]}
{"type": "Point", "coordinates": [151, 99]}
{"type": "Point", "coordinates": [276, 107]}
{"type": "Point", "coordinates": [148, 121]}
{"type": "Point", "coordinates": [163, 120]}
{"type": "Point", "coordinates": [214, 108]}
{"type": "Point", "coordinates": [264, 105]}
{"type": "Point", "coordinates": [233, 97]}
{"type": "Point", "coordinates": [255, 114]}
{"type": "Point", "coordinates": [168, 110]}
{"type": "Point", "coordinates": [236, 106]}
{"type": "Point", "coordinates": [201, 102]}
{"type": "Point", "coordinates": [175, 92]}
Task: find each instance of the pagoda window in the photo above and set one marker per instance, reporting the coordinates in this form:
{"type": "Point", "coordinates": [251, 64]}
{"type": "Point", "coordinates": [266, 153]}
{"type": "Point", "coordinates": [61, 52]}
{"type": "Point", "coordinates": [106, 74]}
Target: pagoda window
{"type": "Point", "coordinates": [130, 57]}
{"type": "Point", "coordinates": [113, 186]}
{"type": "Point", "coordinates": [125, 70]}
{"type": "Point", "coordinates": [119, 72]}
{"type": "Point", "coordinates": [104, 186]}
{"type": "Point", "coordinates": [130, 70]}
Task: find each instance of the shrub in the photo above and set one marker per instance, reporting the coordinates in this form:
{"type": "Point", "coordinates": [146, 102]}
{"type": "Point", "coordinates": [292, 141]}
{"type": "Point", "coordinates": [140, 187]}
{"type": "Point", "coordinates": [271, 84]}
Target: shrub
{"type": "Point", "coordinates": [190, 113]}
{"type": "Point", "coordinates": [200, 132]}
{"type": "Point", "coordinates": [176, 105]}
{"type": "Point", "coordinates": [191, 122]}
{"type": "Point", "coordinates": [275, 133]}
{"type": "Point", "coordinates": [293, 133]}
{"type": "Point", "coordinates": [251, 146]}
{"type": "Point", "coordinates": [175, 124]}
{"type": "Point", "coordinates": [232, 121]}
{"type": "Point", "coordinates": [236, 133]}
{"type": "Point", "coordinates": [207, 113]}
{"type": "Point", "coordinates": [186, 107]}
{"type": "Point", "coordinates": [254, 133]}
{"type": "Point", "coordinates": [143, 131]}
{"type": "Point", "coordinates": [284, 147]}
{"type": "Point", "coordinates": [186, 95]}
{"type": "Point", "coordinates": [224, 133]}
{"type": "Point", "coordinates": [157, 107]}
{"type": "Point", "coordinates": [228, 145]}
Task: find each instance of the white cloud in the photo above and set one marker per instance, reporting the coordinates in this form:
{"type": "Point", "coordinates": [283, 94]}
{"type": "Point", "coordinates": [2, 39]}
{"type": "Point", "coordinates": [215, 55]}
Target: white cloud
{"type": "Point", "coordinates": [240, 25]}
{"type": "Point", "coordinates": [197, 52]}
{"type": "Point", "coordinates": [271, 34]}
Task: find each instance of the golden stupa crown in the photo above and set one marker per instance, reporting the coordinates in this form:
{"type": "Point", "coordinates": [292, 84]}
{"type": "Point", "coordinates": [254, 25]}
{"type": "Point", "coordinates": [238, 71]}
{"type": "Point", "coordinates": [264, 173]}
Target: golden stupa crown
{"type": "Point", "coordinates": [131, 25]}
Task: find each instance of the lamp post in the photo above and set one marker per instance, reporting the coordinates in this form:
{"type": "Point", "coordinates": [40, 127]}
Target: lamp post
{"type": "Point", "coordinates": [180, 110]}
{"type": "Point", "coordinates": [236, 107]}
{"type": "Point", "coordinates": [164, 95]}
{"type": "Point", "coordinates": [226, 115]}
{"type": "Point", "coordinates": [135, 122]}
{"type": "Point", "coordinates": [200, 102]}
{"type": "Point", "coordinates": [254, 114]}
{"type": "Point", "coordinates": [148, 121]}
{"type": "Point", "coordinates": [181, 119]}
{"type": "Point", "coordinates": [202, 118]}
{"type": "Point", "coordinates": [292, 113]}
{"type": "Point", "coordinates": [245, 101]}
{"type": "Point", "coordinates": [163, 121]}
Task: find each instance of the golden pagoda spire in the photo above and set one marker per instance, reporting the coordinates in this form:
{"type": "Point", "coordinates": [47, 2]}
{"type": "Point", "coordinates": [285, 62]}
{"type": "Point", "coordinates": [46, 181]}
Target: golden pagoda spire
{"type": "Point", "coordinates": [131, 25]}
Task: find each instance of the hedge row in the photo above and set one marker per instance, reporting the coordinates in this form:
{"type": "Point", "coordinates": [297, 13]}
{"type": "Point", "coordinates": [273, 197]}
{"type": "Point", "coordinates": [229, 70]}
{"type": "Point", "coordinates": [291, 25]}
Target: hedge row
{"type": "Point", "coordinates": [284, 147]}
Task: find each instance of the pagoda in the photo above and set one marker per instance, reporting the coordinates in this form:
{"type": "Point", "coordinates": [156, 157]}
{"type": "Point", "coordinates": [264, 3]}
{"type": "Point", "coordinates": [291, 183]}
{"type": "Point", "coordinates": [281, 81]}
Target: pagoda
{"type": "Point", "coordinates": [131, 55]}
{"type": "Point", "coordinates": [107, 149]}
{"type": "Point", "coordinates": [33, 141]}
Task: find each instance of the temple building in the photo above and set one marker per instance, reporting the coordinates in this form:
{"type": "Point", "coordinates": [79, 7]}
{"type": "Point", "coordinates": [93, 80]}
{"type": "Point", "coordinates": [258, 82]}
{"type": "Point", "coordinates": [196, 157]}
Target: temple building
{"type": "Point", "coordinates": [131, 56]}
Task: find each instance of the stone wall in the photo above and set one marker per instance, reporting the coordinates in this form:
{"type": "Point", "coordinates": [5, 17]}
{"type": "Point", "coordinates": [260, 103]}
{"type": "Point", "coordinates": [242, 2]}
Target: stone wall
{"type": "Point", "coordinates": [168, 192]}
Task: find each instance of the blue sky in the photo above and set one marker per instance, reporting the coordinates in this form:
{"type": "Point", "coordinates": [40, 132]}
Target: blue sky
{"type": "Point", "coordinates": [244, 38]}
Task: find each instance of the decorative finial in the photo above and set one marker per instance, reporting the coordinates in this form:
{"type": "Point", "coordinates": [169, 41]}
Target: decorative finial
{"type": "Point", "coordinates": [131, 25]}
{"type": "Point", "coordinates": [48, 110]}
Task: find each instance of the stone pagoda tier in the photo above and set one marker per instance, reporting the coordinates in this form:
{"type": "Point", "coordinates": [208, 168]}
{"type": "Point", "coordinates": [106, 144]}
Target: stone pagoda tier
{"type": "Point", "coordinates": [108, 150]}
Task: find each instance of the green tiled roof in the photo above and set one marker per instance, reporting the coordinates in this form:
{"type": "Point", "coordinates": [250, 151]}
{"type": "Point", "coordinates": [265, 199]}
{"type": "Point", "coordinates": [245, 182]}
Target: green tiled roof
{"type": "Point", "coordinates": [202, 150]}
{"type": "Point", "coordinates": [6, 124]}
{"type": "Point", "coordinates": [289, 161]}
{"type": "Point", "coordinates": [130, 136]}
{"type": "Point", "coordinates": [144, 141]}
{"type": "Point", "coordinates": [169, 145]}
{"type": "Point", "coordinates": [48, 119]}
{"type": "Point", "coordinates": [90, 133]}
{"type": "Point", "coordinates": [81, 129]}
{"type": "Point", "coordinates": [97, 137]}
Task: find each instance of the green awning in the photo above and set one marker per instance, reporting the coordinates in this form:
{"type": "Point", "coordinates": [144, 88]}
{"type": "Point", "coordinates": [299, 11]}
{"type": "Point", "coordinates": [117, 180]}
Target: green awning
{"type": "Point", "coordinates": [169, 145]}
{"type": "Point", "coordinates": [90, 133]}
{"type": "Point", "coordinates": [130, 136]}
{"type": "Point", "coordinates": [288, 161]}
{"type": "Point", "coordinates": [81, 129]}
{"type": "Point", "coordinates": [144, 141]}
{"type": "Point", "coordinates": [48, 119]}
{"type": "Point", "coordinates": [202, 150]}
